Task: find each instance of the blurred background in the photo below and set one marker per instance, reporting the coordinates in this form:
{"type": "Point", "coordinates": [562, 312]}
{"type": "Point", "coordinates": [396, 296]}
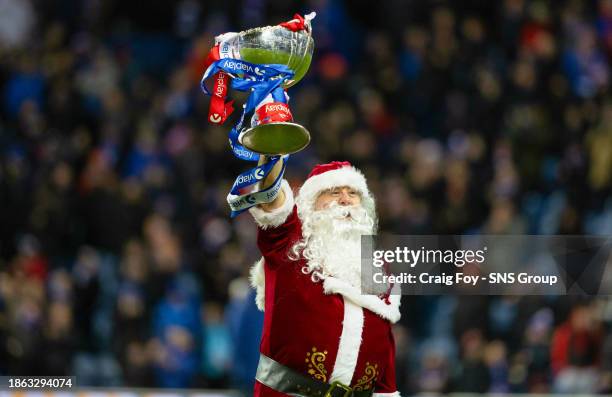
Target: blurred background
{"type": "Point", "coordinates": [119, 263]}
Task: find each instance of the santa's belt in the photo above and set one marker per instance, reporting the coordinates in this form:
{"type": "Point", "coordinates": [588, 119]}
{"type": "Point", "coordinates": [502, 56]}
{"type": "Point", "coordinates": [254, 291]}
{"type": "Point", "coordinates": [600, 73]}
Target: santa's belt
{"type": "Point", "coordinates": [285, 380]}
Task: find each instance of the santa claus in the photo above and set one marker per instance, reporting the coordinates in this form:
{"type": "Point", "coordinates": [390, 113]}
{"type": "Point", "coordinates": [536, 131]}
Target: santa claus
{"type": "Point", "coordinates": [321, 336]}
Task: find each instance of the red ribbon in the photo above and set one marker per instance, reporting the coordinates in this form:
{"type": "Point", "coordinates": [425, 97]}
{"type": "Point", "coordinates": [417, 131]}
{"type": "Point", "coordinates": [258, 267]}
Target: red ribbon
{"type": "Point", "coordinates": [219, 110]}
{"type": "Point", "coordinates": [296, 24]}
{"type": "Point", "coordinates": [274, 112]}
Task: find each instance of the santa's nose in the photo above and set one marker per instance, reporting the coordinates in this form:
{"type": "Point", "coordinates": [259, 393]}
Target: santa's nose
{"type": "Point", "coordinates": [345, 199]}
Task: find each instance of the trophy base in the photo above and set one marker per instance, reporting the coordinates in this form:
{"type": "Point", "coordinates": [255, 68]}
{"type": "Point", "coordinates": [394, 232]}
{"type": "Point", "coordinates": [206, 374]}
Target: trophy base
{"type": "Point", "coordinates": [275, 138]}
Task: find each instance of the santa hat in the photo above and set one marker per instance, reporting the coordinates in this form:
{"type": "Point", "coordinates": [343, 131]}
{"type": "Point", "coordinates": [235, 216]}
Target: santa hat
{"type": "Point", "coordinates": [330, 175]}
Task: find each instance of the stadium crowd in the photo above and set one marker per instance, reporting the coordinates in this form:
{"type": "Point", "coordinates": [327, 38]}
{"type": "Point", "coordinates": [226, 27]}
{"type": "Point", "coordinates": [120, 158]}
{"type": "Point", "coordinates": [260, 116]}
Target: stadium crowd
{"type": "Point", "coordinates": [119, 262]}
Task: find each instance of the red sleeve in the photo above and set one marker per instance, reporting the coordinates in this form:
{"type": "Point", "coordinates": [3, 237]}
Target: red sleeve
{"type": "Point", "coordinates": [386, 382]}
{"type": "Point", "coordinates": [275, 242]}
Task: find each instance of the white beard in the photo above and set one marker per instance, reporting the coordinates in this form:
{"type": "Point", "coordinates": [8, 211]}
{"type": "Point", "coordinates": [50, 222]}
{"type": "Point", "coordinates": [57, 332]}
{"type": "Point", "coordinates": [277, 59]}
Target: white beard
{"type": "Point", "coordinates": [332, 243]}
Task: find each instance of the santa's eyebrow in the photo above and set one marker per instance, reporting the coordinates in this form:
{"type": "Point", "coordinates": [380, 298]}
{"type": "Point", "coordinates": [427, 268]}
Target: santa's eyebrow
{"type": "Point", "coordinates": [337, 188]}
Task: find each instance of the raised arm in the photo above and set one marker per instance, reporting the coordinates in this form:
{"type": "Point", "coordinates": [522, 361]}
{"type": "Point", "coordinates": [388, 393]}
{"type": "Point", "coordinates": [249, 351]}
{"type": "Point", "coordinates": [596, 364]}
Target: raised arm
{"type": "Point", "coordinates": [269, 180]}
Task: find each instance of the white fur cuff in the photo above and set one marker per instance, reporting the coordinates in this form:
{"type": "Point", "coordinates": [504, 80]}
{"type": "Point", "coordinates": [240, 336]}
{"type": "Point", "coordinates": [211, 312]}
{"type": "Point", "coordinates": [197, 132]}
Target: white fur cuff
{"type": "Point", "coordinates": [394, 394]}
{"type": "Point", "coordinates": [257, 277]}
{"type": "Point", "coordinates": [277, 217]}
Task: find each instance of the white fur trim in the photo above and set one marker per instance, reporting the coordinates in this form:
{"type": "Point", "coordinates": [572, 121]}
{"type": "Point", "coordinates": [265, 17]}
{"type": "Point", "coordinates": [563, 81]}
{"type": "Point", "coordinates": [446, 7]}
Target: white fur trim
{"type": "Point", "coordinates": [332, 285]}
{"type": "Point", "coordinates": [277, 217]}
{"type": "Point", "coordinates": [257, 277]}
{"type": "Point", "coordinates": [350, 341]}
{"type": "Point", "coordinates": [394, 394]}
{"type": "Point", "coordinates": [345, 176]}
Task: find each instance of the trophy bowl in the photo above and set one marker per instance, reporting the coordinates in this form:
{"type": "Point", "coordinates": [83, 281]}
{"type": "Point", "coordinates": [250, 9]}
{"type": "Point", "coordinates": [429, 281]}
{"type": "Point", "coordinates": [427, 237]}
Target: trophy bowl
{"type": "Point", "coordinates": [278, 45]}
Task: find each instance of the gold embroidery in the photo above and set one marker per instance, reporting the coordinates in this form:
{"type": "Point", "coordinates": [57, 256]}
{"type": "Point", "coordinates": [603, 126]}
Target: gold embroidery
{"type": "Point", "coordinates": [316, 368]}
{"type": "Point", "coordinates": [366, 381]}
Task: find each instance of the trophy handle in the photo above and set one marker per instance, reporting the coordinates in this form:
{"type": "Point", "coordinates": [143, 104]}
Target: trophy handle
{"type": "Point", "coordinates": [308, 28]}
{"type": "Point", "coordinates": [308, 18]}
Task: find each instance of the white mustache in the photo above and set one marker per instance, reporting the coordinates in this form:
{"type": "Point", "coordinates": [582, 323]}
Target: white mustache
{"type": "Point", "coordinates": [343, 219]}
{"type": "Point", "coordinates": [337, 211]}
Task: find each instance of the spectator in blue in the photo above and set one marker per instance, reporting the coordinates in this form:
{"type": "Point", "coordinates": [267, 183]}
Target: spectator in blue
{"type": "Point", "coordinates": [26, 84]}
{"type": "Point", "coordinates": [177, 325]}
{"type": "Point", "coordinates": [245, 323]}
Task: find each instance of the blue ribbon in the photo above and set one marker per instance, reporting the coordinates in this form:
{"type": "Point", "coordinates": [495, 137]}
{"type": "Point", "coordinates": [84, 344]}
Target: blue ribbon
{"type": "Point", "coordinates": [240, 202]}
{"type": "Point", "coordinates": [261, 80]}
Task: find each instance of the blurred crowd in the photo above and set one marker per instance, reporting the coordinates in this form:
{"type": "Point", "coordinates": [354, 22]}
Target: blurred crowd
{"type": "Point", "coordinates": [118, 260]}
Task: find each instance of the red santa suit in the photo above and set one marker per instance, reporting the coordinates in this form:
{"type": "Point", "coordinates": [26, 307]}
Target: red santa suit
{"type": "Point", "coordinates": [326, 330]}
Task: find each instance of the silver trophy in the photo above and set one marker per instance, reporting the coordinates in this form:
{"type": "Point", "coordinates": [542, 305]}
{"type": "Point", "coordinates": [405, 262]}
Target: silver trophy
{"type": "Point", "coordinates": [265, 46]}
